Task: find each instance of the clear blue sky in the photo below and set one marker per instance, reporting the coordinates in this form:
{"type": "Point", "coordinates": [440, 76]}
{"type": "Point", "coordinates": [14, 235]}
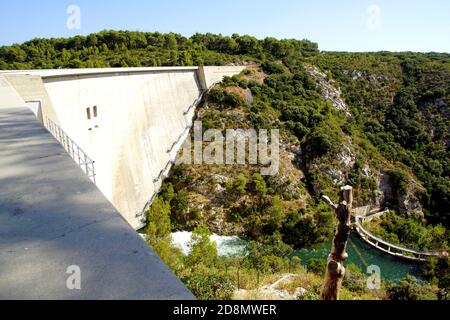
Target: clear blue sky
{"type": "Point", "coordinates": [344, 25]}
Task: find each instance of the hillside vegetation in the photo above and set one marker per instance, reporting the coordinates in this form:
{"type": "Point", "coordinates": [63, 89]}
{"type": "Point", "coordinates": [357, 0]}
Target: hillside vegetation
{"type": "Point", "coordinates": [377, 121]}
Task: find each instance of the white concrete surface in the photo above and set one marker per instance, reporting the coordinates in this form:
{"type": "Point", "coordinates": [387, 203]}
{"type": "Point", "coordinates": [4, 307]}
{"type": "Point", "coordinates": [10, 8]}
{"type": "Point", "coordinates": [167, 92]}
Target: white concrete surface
{"type": "Point", "coordinates": [216, 74]}
{"type": "Point", "coordinates": [9, 96]}
{"type": "Point", "coordinates": [140, 116]}
{"type": "Point", "coordinates": [52, 217]}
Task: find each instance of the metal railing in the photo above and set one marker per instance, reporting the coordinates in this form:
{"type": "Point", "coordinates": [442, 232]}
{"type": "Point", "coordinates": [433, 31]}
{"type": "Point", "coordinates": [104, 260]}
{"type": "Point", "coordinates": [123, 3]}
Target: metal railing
{"type": "Point", "coordinates": [76, 153]}
{"type": "Point", "coordinates": [390, 248]}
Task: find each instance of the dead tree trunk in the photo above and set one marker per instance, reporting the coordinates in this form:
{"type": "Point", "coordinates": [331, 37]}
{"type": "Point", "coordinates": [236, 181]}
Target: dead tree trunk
{"type": "Point", "coordinates": [335, 268]}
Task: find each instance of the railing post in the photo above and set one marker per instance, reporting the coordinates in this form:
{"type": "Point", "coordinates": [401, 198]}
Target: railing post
{"type": "Point", "coordinates": [93, 171]}
{"type": "Point", "coordinates": [86, 164]}
{"type": "Point", "coordinates": [78, 154]}
{"type": "Point", "coordinates": [65, 142]}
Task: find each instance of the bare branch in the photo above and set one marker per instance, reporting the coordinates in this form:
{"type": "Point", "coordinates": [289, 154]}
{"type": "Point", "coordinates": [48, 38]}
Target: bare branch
{"type": "Point", "coordinates": [330, 203]}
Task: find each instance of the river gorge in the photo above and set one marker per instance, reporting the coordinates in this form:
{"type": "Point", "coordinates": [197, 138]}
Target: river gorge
{"type": "Point", "coordinates": [360, 254]}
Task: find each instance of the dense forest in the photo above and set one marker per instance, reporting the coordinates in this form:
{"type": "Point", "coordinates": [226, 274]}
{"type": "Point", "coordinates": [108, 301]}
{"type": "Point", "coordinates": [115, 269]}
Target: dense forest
{"type": "Point", "coordinates": [135, 49]}
{"type": "Point", "coordinates": [377, 121]}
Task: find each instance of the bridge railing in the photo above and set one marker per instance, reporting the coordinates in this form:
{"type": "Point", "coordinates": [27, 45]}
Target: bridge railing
{"type": "Point", "coordinates": [76, 153]}
{"type": "Point", "coordinates": [390, 248]}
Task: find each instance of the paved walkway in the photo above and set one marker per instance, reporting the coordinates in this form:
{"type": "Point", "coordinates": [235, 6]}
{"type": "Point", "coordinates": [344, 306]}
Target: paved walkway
{"type": "Point", "coordinates": [52, 217]}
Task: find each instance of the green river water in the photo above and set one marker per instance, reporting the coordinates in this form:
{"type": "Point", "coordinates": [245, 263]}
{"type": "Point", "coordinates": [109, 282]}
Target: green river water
{"type": "Point", "coordinates": [363, 255]}
{"type": "Point", "coordinates": [360, 253]}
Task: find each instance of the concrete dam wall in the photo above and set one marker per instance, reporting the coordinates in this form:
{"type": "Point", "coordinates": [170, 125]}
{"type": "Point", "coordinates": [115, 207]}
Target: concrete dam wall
{"type": "Point", "coordinates": [130, 121]}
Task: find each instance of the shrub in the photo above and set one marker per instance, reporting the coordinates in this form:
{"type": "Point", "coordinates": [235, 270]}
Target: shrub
{"type": "Point", "coordinates": [317, 266]}
{"type": "Point", "coordinates": [203, 251]}
{"type": "Point", "coordinates": [312, 293]}
{"type": "Point", "coordinates": [232, 100]}
{"type": "Point", "coordinates": [399, 180]}
{"type": "Point", "coordinates": [437, 270]}
{"type": "Point", "coordinates": [354, 279]}
{"type": "Point", "coordinates": [259, 184]}
{"type": "Point", "coordinates": [215, 95]}
{"type": "Point", "coordinates": [272, 67]}
{"type": "Point", "coordinates": [409, 289]}
{"type": "Point", "coordinates": [318, 145]}
{"type": "Point", "coordinates": [210, 286]}
{"type": "Point", "coordinates": [238, 186]}
{"type": "Point", "coordinates": [273, 264]}
{"type": "Point", "coordinates": [179, 209]}
{"type": "Point", "coordinates": [224, 99]}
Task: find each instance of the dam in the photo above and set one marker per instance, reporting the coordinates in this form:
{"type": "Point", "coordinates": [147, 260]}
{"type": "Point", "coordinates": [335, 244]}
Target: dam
{"type": "Point", "coordinates": [82, 153]}
{"type": "Point", "coordinates": [128, 123]}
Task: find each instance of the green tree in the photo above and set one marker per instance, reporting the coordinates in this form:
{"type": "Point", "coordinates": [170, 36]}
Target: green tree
{"type": "Point", "coordinates": [158, 232]}
{"type": "Point", "coordinates": [274, 215]}
{"type": "Point", "coordinates": [203, 251]}
{"type": "Point", "coordinates": [158, 220]}
{"type": "Point", "coordinates": [171, 42]}
{"type": "Point", "coordinates": [437, 271]}
{"type": "Point", "coordinates": [170, 255]}
{"type": "Point", "coordinates": [239, 185]}
{"type": "Point", "coordinates": [259, 185]}
{"type": "Point", "coordinates": [168, 192]}
{"type": "Point", "coordinates": [92, 40]}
